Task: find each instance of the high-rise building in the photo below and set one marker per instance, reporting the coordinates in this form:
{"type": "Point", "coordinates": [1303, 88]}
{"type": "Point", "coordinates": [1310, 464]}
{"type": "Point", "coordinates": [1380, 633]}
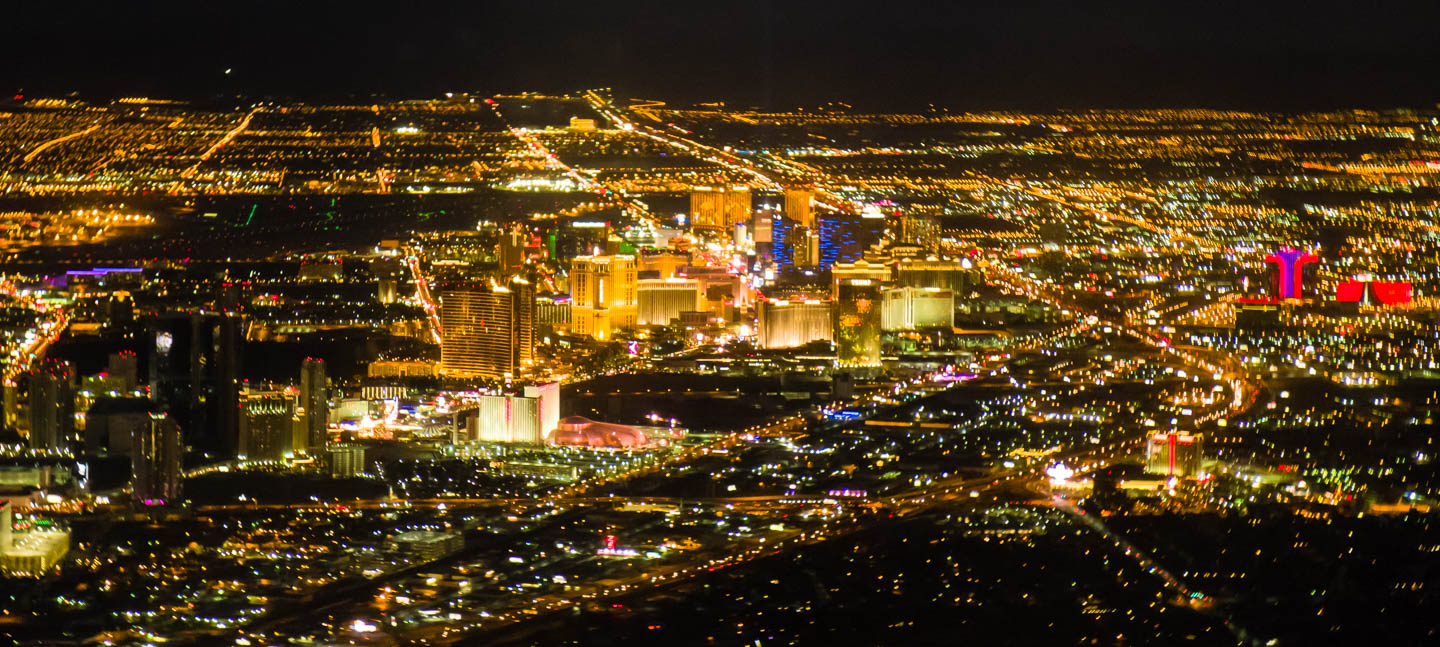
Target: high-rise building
{"type": "Point", "coordinates": [387, 290]}
{"type": "Point", "coordinates": [52, 406]}
{"type": "Point", "coordinates": [603, 295]}
{"type": "Point", "coordinates": [267, 425]}
{"type": "Point", "coordinates": [666, 264]}
{"type": "Point", "coordinates": [194, 366]}
{"type": "Point", "coordinates": [762, 227]}
{"type": "Point", "coordinates": [857, 323]}
{"type": "Point", "coordinates": [487, 330]}
{"type": "Point", "coordinates": [718, 209]}
{"type": "Point", "coordinates": [577, 237]}
{"type": "Point", "coordinates": [155, 461]}
{"type": "Point", "coordinates": [662, 300]}
{"type": "Point", "coordinates": [517, 418]}
{"type": "Point", "coordinates": [707, 209]}
{"type": "Point", "coordinates": [785, 323]}
{"type": "Point", "coordinates": [314, 405]}
{"type": "Point", "coordinates": [510, 252]}
{"type": "Point", "coordinates": [798, 207]}
{"type": "Point", "coordinates": [806, 250]}
{"type": "Point", "coordinates": [959, 276]}
{"type": "Point", "coordinates": [346, 460]}
{"type": "Point", "coordinates": [1174, 454]}
{"type": "Point", "coordinates": [388, 274]}
{"type": "Point", "coordinates": [737, 206]}
{"type": "Point", "coordinates": [860, 269]}
{"type": "Point", "coordinates": [111, 423]}
{"type": "Point", "coordinates": [919, 230]}
{"type": "Point", "coordinates": [124, 365]}
{"type": "Point", "coordinates": [844, 239]}
{"type": "Point", "coordinates": [1290, 266]}
{"type": "Point", "coordinates": [916, 308]}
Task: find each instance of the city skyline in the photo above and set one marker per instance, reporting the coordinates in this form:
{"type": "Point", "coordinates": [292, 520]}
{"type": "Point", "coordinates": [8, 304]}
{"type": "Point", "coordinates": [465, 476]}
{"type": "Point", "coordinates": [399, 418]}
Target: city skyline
{"type": "Point", "coordinates": [739, 325]}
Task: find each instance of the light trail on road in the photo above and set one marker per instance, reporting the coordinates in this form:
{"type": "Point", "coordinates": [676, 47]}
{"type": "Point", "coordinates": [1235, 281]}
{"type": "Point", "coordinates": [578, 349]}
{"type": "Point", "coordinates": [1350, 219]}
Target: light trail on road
{"type": "Point", "coordinates": [57, 141]}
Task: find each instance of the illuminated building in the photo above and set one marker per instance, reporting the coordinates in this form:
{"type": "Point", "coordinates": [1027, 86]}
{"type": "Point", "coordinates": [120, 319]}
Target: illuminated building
{"type": "Point", "coordinates": [267, 425]}
{"type": "Point", "coordinates": [427, 545]}
{"type": "Point", "coordinates": [1174, 454]}
{"type": "Point", "coordinates": [667, 264]}
{"type": "Point", "coordinates": [762, 228]}
{"type": "Point", "coordinates": [798, 207]}
{"type": "Point", "coordinates": [577, 431]}
{"type": "Point", "coordinates": [321, 271]}
{"type": "Point", "coordinates": [806, 252]}
{"type": "Point", "coordinates": [845, 238]}
{"type": "Point", "coordinates": [577, 237]}
{"type": "Point", "coordinates": [718, 209]}
{"type": "Point", "coordinates": [860, 269]}
{"type": "Point", "coordinates": [857, 323]}
{"type": "Point", "coordinates": [347, 460]}
{"type": "Point", "coordinates": [52, 406]}
{"type": "Point", "coordinates": [662, 300]}
{"type": "Point", "coordinates": [510, 251]}
{"type": "Point", "coordinates": [194, 365]}
{"type": "Point", "coordinates": [402, 368]}
{"type": "Point", "coordinates": [914, 308]}
{"type": "Point", "coordinates": [707, 209]}
{"type": "Point", "coordinates": [921, 231]}
{"type": "Point", "coordinates": [737, 206]}
{"type": "Point", "coordinates": [578, 123]}
{"type": "Point", "coordinates": [29, 554]}
{"type": "Point", "coordinates": [487, 330]}
{"type": "Point", "coordinates": [155, 453]}
{"type": "Point", "coordinates": [552, 314]}
{"type": "Point", "coordinates": [548, 397]}
{"type": "Point", "coordinates": [789, 323]}
{"type": "Point", "coordinates": [602, 295]}
{"type": "Point", "coordinates": [517, 418]}
{"type": "Point", "coordinates": [388, 273]}
{"type": "Point", "coordinates": [314, 408]}
{"type": "Point", "coordinates": [958, 276]}
{"type": "Point", "coordinates": [1385, 293]}
{"type": "Point", "coordinates": [1290, 267]}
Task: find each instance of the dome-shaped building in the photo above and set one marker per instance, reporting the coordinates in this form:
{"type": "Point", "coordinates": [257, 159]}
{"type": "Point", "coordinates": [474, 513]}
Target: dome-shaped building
{"type": "Point", "coordinates": [578, 431]}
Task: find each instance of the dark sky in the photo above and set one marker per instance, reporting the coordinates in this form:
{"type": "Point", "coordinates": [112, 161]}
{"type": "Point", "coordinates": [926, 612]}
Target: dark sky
{"type": "Point", "coordinates": [1256, 54]}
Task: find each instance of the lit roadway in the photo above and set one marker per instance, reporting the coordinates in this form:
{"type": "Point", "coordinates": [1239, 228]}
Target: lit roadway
{"type": "Point", "coordinates": [219, 144]}
{"type": "Point", "coordinates": [20, 359]}
{"type": "Point", "coordinates": [57, 141]}
{"type": "Point", "coordinates": [715, 155]}
{"type": "Point", "coordinates": [422, 293]}
{"type": "Point", "coordinates": [636, 208]}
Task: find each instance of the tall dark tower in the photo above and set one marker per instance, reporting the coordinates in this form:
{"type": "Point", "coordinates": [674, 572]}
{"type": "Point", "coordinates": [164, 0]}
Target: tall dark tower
{"type": "Point", "coordinates": [52, 406]}
{"type": "Point", "coordinates": [155, 452]}
{"type": "Point", "coordinates": [315, 408]}
{"type": "Point", "coordinates": [194, 368]}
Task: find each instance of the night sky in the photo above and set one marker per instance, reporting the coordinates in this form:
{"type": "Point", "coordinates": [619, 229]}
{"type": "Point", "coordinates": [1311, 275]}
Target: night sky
{"type": "Point", "coordinates": [1261, 54]}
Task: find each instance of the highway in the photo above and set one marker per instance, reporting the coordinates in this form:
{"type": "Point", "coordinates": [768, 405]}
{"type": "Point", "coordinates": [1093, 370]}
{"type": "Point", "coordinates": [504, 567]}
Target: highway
{"type": "Point", "coordinates": [57, 141]}
{"type": "Point", "coordinates": [422, 293]}
{"type": "Point", "coordinates": [220, 143]}
{"type": "Point", "coordinates": [768, 174]}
